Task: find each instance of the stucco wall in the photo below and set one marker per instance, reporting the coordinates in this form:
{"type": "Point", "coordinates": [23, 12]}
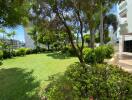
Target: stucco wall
{"type": "Point", "coordinates": [129, 15]}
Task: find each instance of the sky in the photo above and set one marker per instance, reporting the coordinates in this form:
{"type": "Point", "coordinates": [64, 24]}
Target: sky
{"type": "Point", "coordinates": [20, 30]}
{"type": "Point", "coordinates": [19, 33]}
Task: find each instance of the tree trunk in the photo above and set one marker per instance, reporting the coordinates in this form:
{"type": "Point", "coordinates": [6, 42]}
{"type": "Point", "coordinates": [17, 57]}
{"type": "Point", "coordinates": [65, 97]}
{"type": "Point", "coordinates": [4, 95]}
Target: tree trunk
{"type": "Point", "coordinates": [101, 26]}
{"type": "Point", "coordinates": [92, 38]}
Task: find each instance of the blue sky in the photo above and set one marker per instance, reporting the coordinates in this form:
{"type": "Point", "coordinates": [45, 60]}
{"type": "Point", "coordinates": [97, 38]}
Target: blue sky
{"type": "Point", "coordinates": [19, 32]}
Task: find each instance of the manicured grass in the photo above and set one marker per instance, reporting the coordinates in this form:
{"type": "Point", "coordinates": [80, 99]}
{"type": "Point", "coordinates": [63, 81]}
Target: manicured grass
{"type": "Point", "coordinates": [15, 72]}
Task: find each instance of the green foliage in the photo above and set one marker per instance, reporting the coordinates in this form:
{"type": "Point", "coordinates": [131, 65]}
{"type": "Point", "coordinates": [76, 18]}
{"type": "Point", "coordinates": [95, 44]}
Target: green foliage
{"type": "Point", "coordinates": [21, 52]}
{"type": "Point", "coordinates": [13, 12]}
{"type": "Point", "coordinates": [109, 50]}
{"type": "Point", "coordinates": [98, 54]}
{"type": "Point", "coordinates": [101, 81]}
{"type": "Point", "coordinates": [1, 54]}
{"type": "Point", "coordinates": [6, 54]}
{"type": "Point", "coordinates": [87, 38]}
{"type": "Point", "coordinates": [57, 46]}
{"type": "Point", "coordinates": [89, 55]}
{"type": "Point", "coordinates": [111, 19]}
{"type": "Point", "coordinates": [42, 50]}
{"type": "Point", "coordinates": [69, 51]}
{"type": "Point", "coordinates": [28, 51]}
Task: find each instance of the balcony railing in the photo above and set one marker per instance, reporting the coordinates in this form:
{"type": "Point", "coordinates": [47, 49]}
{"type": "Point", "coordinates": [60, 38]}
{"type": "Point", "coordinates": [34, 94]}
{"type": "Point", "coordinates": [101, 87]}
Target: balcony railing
{"type": "Point", "coordinates": [123, 8]}
{"type": "Point", "coordinates": [122, 5]}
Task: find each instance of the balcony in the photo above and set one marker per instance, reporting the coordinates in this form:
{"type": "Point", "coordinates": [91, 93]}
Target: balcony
{"type": "Point", "coordinates": [123, 8]}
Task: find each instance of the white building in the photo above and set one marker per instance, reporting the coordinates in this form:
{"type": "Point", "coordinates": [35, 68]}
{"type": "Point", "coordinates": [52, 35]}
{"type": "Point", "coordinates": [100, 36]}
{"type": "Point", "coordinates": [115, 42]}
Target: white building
{"type": "Point", "coordinates": [29, 43]}
{"type": "Point", "coordinates": [125, 39]}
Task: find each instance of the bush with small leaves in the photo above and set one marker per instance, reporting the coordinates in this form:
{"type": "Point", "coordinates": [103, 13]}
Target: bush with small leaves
{"type": "Point", "coordinates": [1, 54]}
{"type": "Point", "coordinates": [21, 52]}
{"type": "Point", "coordinates": [69, 51]}
{"type": "Point", "coordinates": [28, 51]}
{"type": "Point", "coordinates": [89, 56]}
{"type": "Point", "coordinates": [98, 55]}
{"type": "Point", "coordinates": [6, 54]}
{"type": "Point", "coordinates": [42, 50]}
{"type": "Point", "coordinates": [99, 81]}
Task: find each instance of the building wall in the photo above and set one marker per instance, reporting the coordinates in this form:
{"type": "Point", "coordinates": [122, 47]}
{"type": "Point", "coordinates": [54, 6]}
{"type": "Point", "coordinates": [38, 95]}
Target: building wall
{"type": "Point", "coordinates": [125, 14]}
{"type": "Point", "coordinates": [129, 15]}
{"type": "Point", "coordinates": [29, 43]}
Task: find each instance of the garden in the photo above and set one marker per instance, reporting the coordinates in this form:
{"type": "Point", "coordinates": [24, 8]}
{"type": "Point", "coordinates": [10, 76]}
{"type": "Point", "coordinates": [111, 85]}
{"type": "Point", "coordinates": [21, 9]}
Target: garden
{"type": "Point", "coordinates": [71, 51]}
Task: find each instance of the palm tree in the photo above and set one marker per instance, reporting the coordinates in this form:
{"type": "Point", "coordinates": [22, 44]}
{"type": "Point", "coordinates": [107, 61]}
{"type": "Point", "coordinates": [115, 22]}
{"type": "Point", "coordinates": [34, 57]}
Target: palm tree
{"type": "Point", "coordinates": [105, 6]}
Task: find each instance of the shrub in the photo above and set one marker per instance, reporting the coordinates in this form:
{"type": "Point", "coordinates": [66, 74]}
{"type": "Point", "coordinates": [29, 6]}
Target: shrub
{"type": "Point", "coordinates": [1, 54]}
{"type": "Point", "coordinates": [28, 50]}
{"type": "Point", "coordinates": [65, 49]}
{"type": "Point", "coordinates": [86, 50]}
{"type": "Point", "coordinates": [21, 52]}
{"type": "Point", "coordinates": [109, 50]}
{"type": "Point", "coordinates": [13, 53]}
{"type": "Point", "coordinates": [100, 81]}
{"type": "Point", "coordinates": [6, 54]}
{"type": "Point", "coordinates": [34, 51]}
{"type": "Point", "coordinates": [69, 51]}
{"type": "Point", "coordinates": [89, 56]}
{"type": "Point", "coordinates": [42, 50]}
{"type": "Point", "coordinates": [56, 46]}
{"type": "Point", "coordinates": [98, 54]}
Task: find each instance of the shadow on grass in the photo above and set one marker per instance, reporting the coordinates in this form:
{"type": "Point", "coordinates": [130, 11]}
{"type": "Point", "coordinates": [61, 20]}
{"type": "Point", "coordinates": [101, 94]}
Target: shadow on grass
{"type": "Point", "coordinates": [17, 84]}
{"type": "Point", "coordinates": [58, 55]}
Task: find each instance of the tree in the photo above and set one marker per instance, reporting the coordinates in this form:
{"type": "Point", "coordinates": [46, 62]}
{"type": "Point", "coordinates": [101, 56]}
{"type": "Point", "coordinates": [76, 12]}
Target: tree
{"type": "Point", "coordinates": [67, 17]}
{"type": "Point", "coordinates": [13, 12]}
{"type": "Point", "coordinates": [71, 17]}
{"type": "Point", "coordinates": [105, 6]}
{"type": "Point", "coordinates": [46, 38]}
{"type": "Point", "coordinates": [108, 20]}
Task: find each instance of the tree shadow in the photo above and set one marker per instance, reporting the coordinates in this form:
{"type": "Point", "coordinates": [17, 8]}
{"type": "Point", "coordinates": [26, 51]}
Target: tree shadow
{"type": "Point", "coordinates": [58, 55]}
{"type": "Point", "coordinates": [17, 84]}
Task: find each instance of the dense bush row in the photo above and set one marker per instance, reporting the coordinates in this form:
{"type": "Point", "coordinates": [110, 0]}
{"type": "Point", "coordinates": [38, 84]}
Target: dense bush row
{"type": "Point", "coordinates": [99, 81]}
{"type": "Point", "coordinates": [98, 55]}
{"type": "Point", "coordinates": [19, 52]}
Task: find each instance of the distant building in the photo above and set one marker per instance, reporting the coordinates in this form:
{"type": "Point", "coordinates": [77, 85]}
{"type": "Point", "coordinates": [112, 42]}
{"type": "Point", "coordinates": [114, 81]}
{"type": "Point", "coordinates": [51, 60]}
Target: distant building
{"type": "Point", "coordinates": [14, 43]}
{"type": "Point", "coordinates": [125, 13]}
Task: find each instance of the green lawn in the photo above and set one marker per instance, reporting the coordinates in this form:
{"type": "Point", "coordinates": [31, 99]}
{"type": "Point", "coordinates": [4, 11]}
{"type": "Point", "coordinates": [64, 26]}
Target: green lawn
{"type": "Point", "coordinates": [17, 75]}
